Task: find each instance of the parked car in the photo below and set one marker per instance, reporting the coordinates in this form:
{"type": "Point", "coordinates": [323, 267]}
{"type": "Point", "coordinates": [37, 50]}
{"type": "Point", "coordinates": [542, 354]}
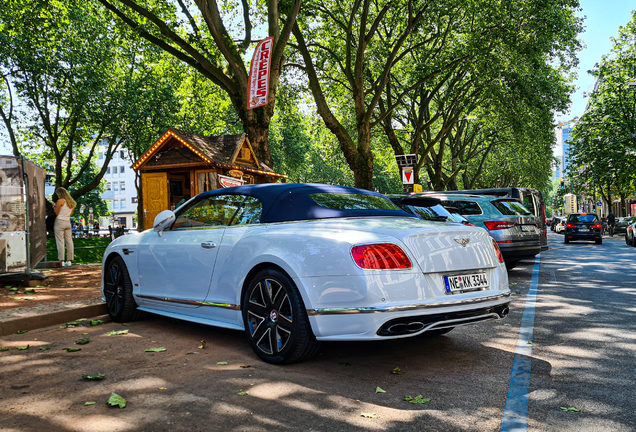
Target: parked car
{"type": "Point", "coordinates": [296, 264]}
{"type": "Point", "coordinates": [629, 234]}
{"type": "Point", "coordinates": [560, 226]}
{"type": "Point", "coordinates": [621, 224]}
{"type": "Point", "coordinates": [582, 226]}
{"type": "Point", "coordinates": [507, 221]}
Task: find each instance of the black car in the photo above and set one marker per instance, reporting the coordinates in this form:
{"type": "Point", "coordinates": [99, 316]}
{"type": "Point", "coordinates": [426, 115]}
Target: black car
{"type": "Point", "coordinates": [620, 227]}
{"type": "Point", "coordinates": [581, 226]}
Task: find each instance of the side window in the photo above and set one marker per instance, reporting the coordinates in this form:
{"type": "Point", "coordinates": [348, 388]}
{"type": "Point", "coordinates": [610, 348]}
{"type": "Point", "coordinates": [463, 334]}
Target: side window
{"type": "Point", "coordinates": [464, 207]}
{"type": "Point", "coordinates": [528, 203]}
{"type": "Point", "coordinates": [249, 213]}
{"type": "Point", "coordinates": [209, 212]}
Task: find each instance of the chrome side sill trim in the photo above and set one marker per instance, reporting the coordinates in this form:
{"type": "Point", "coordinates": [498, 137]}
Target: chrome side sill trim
{"type": "Point", "coordinates": [191, 302]}
{"type": "Point", "coordinates": [338, 311]}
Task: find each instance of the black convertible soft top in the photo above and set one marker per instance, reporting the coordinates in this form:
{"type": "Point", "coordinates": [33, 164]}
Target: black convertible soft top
{"type": "Point", "coordinates": [283, 202]}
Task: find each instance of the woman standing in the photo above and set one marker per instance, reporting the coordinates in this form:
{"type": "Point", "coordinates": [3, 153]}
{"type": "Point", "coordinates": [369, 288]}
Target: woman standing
{"type": "Point", "coordinates": [63, 233]}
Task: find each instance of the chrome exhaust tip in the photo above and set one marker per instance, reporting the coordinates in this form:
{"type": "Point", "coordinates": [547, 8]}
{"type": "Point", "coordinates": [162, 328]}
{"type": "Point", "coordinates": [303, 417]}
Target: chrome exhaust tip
{"type": "Point", "coordinates": [414, 327]}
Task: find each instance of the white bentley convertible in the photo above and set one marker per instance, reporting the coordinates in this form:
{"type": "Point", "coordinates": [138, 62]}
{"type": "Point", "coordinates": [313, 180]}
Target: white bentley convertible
{"type": "Point", "coordinates": [295, 264]}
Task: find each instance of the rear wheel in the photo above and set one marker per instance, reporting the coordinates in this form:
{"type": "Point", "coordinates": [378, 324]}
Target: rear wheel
{"type": "Point", "coordinates": [565, 240]}
{"type": "Point", "coordinates": [512, 264]}
{"type": "Point", "coordinates": [275, 318]}
{"type": "Point", "coordinates": [118, 291]}
{"type": "Point", "coordinates": [599, 241]}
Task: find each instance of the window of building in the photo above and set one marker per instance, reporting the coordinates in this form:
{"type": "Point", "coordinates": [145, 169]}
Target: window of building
{"type": "Point", "coordinates": [108, 186]}
{"type": "Point", "coordinates": [108, 170]}
{"type": "Point", "coordinates": [100, 155]}
{"type": "Point", "coordinates": [122, 186]}
{"type": "Point", "coordinates": [121, 169]}
{"type": "Point", "coordinates": [116, 186]}
{"type": "Point", "coordinates": [115, 205]}
{"type": "Point", "coordinates": [122, 204]}
{"type": "Point", "coordinates": [114, 170]}
{"type": "Point", "coordinates": [121, 154]}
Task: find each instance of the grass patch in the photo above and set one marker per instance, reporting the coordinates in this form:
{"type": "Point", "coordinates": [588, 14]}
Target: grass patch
{"type": "Point", "coordinates": [82, 256]}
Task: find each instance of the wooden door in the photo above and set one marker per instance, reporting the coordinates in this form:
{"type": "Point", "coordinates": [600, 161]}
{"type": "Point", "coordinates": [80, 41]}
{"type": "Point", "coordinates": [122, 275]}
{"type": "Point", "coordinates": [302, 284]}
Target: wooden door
{"type": "Point", "coordinates": [154, 188]}
{"type": "Point", "coordinates": [204, 181]}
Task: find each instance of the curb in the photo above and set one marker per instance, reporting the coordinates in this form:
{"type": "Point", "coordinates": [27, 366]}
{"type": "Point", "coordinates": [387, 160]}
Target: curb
{"type": "Point", "coordinates": [39, 321]}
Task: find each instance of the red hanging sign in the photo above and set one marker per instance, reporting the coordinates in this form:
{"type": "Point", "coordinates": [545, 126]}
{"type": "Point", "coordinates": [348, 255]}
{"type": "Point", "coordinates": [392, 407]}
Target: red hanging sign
{"type": "Point", "coordinates": [258, 92]}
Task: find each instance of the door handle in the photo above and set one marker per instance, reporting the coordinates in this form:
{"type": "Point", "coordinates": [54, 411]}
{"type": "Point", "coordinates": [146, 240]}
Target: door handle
{"type": "Point", "coordinates": [208, 245]}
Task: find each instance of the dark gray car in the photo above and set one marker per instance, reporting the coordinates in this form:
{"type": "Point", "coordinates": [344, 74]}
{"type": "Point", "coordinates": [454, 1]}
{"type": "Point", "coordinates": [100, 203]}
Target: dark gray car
{"type": "Point", "coordinates": [514, 228]}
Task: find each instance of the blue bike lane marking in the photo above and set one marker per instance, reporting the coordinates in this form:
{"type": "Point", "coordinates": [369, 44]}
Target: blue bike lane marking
{"type": "Point", "coordinates": [515, 417]}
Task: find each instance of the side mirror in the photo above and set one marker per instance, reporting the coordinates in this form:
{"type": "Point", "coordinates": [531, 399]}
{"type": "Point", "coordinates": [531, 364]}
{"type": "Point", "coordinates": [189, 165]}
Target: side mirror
{"type": "Point", "coordinates": [163, 221]}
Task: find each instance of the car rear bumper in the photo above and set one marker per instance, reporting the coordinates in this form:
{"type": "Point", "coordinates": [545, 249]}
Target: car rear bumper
{"type": "Point", "coordinates": [580, 236]}
{"type": "Point", "coordinates": [514, 253]}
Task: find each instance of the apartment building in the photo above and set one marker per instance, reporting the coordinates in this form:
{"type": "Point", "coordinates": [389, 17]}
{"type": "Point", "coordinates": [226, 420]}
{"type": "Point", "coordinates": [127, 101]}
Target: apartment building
{"type": "Point", "coordinates": [120, 194]}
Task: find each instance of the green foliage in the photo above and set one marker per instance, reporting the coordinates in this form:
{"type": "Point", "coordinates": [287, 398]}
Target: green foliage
{"type": "Point", "coordinates": [82, 256]}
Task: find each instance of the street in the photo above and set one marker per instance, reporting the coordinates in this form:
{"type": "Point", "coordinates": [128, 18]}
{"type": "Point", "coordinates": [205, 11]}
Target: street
{"type": "Point", "coordinates": [582, 358]}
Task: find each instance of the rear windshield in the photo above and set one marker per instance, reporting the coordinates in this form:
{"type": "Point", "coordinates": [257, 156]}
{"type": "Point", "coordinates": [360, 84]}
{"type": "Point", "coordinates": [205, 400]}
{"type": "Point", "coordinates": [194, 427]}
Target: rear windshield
{"type": "Point", "coordinates": [434, 213]}
{"type": "Point", "coordinates": [511, 208]}
{"type": "Point", "coordinates": [582, 218]}
{"type": "Point", "coordinates": [464, 207]}
{"type": "Point", "coordinates": [342, 201]}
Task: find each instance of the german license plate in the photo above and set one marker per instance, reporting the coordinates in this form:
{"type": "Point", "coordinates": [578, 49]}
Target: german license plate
{"type": "Point", "coordinates": [584, 229]}
{"type": "Point", "coordinates": [527, 228]}
{"type": "Point", "coordinates": [465, 282]}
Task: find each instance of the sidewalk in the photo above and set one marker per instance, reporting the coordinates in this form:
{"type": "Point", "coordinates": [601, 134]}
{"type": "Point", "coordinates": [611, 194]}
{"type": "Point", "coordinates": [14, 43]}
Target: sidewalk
{"type": "Point", "coordinates": [69, 293]}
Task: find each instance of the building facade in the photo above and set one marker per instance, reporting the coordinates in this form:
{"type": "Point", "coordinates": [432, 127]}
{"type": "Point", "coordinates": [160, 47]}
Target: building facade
{"type": "Point", "coordinates": [563, 133]}
{"type": "Point", "coordinates": [120, 194]}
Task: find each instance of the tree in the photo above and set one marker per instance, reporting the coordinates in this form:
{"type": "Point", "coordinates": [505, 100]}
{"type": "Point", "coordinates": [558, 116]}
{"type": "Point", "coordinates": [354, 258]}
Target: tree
{"type": "Point", "coordinates": [207, 40]}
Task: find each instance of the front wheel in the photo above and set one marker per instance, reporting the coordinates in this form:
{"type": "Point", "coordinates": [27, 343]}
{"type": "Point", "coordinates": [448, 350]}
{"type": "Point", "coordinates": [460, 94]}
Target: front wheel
{"type": "Point", "coordinates": [275, 318]}
{"type": "Point", "coordinates": [118, 291]}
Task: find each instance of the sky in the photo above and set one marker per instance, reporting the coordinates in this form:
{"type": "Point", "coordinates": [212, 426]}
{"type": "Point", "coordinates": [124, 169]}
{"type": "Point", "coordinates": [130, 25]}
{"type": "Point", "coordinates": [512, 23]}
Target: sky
{"type": "Point", "coordinates": [603, 17]}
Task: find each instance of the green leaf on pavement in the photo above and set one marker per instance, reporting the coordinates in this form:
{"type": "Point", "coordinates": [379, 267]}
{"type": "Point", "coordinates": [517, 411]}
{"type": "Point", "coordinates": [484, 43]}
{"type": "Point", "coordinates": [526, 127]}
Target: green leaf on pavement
{"type": "Point", "coordinates": [379, 390]}
{"type": "Point", "coordinates": [44, 348]}
{"type": "Point", "coordinates": [117, 332]}
{"type": "Point", "coordinates": [30, 292]}
{"type": "Point", "coordinates": [243, 393]}
{"type": "Point", "coordinates": [116, 400]}
{"type": "Point", "coordinates": [97, 322]}
{"type": "Point", "coordinates": [570, 409]}
{"type": "Point", "coordinates": [12, 289]}
{"type": "Point", "coordinates": [529, 342]}
{"type": "Point", "coordinates": [5, 349]}
{"type": "Point", "coordinates": [416, 400]}
{"type": "Point", "coordinates": [83, 341]}
{"type": "Point", "coordinates": [89, 403]}
{"type": "Point", "coordinates": [397, 371]}
{"type": "Point", "coordinates": [160, 349]}
{"type": "Point", "coordinates": [69, 349]}
{"type": "Point", "coordinates": [22, 331]}
{"type": "Point", "coordinates": [94, 377]}
{"type": "Point", "coordinates": [202, 346]}
{"type": "Point", "coordinates": [221, 363]}
{"type": "Point", "coordinates": [23, 348]}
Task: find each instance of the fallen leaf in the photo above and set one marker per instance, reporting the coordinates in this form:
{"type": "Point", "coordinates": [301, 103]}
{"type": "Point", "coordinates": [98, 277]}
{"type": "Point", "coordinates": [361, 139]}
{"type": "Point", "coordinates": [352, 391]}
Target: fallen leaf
{"type": "Point", "coordinates": [117, 332]}
{"type": "Point", "coordinates": [97, 322]}
{"type": "Point", "coordinates": [369, 415]}
{"type": "Point", "coordinates": [160, 349]}
{"type": "Point", "coordinates": [23, 348]}
{"type": "Point", "coordinates": [126, 324]}
{"type": "Point", "coordinates": [221, 363]}
{"type": "Point", "coordinates": [89, 403]}
{"type": "Point", "coordinates": [570, 409]}
{"type": "Point", "coordinates": [30, 292]}
{"type": "Point", "coordinates": [507, 324]}
{"type": "Point", "coordinates": [202, 346]}
{"type": "Point", "coordinates": [529, 342]}
{"type": "Point", "coordinates": [44, 348]}
{"type": "Point", "coordinates": [243, 393]}
{"type": "Point", "coordinates": [379, 390]}
{"type": "Point", "coordinates": [73, 323]}
{"type": "Point", "coordinates": [69, 349]}
{"type": "Point", "coordinates": [22, 331]}
{"type": "Point", "coordinates": [162, 388]}
{"type": "Point", "coordinates": [13, 289]}
{"type": "Point", "coordinates": [397, 371]}
{"type": "Point", "coordinates": [513, 284]}
{"type": "Point", "coordinates": [116, 400]}
{"type": "Point", "coordinates": [416, 400]}
{"type": "Point", "coordinates": [5, 349]}
{"type": "Point", "coordinates": [94, 377]}
{"type": "Point", "coordinates": [83, 341]}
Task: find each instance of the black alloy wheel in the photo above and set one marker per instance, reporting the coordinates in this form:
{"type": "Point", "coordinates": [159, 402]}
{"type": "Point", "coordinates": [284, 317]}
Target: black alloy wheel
{"type": "Point", "coordinates": [118, 292]}
{"type": "Point", "coordinates": [276, 322]}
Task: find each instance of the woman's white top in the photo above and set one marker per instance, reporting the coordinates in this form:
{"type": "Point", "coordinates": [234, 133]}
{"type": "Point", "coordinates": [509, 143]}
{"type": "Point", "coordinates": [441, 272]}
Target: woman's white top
{"type": "Point", "coordinates": [65, 213]}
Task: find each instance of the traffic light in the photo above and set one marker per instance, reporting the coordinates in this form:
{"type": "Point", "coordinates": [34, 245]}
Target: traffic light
{"type": "Point", "coordinates": [562, 184]}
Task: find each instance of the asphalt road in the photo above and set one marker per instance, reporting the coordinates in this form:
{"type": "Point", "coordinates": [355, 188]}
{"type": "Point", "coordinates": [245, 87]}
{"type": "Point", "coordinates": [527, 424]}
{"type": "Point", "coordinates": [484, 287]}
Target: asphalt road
{"type": "Point", "coordinates": [583, 357]}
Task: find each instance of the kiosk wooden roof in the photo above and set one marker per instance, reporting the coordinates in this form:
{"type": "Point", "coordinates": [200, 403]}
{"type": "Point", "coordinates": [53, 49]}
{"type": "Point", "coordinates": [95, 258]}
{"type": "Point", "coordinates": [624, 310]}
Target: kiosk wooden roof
{"type": "Point", "coordinates": [179, 149]}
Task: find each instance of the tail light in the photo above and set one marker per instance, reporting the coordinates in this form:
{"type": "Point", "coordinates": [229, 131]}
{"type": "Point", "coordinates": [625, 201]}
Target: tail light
{"type": "Point", "coordinates": [381, 256]}
{"type": "Point", "coordinates": [596, 226]}
{"type": "Point", "coordinates": [498, 251]}
{"type": "Point", "coordinates": [569, 226]}
{"type": "Point", "coordinates": [498, 225]}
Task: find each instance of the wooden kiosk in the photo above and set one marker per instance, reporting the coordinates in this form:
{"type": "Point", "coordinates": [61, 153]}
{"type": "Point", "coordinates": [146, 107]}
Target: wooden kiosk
{"type": "Point", "coordinates": [180, 165]}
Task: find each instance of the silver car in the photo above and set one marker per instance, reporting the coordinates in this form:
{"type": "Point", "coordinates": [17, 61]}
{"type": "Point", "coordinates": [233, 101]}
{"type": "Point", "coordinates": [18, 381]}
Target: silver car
{"type": "Point", "coordinates": [514, 228]}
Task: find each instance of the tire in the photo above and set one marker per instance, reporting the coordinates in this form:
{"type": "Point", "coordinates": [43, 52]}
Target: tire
{"type": "Point", "coordinates": [436, 333]}
{"type": "Point", "coordinates": [118, 290]}
{"type": "Point", "coordinates": [277, 329]}
{"type": "Point", "coordinates": [511, 264]}
{"type": "Point", "coordinates": [599, 241]}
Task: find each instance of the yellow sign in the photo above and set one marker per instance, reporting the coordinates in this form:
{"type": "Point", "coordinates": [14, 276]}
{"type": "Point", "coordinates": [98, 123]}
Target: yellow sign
{"type": "Point", "coordinates": [235, 173]}
{"type": "Point", "coordinates": [417, 188]}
